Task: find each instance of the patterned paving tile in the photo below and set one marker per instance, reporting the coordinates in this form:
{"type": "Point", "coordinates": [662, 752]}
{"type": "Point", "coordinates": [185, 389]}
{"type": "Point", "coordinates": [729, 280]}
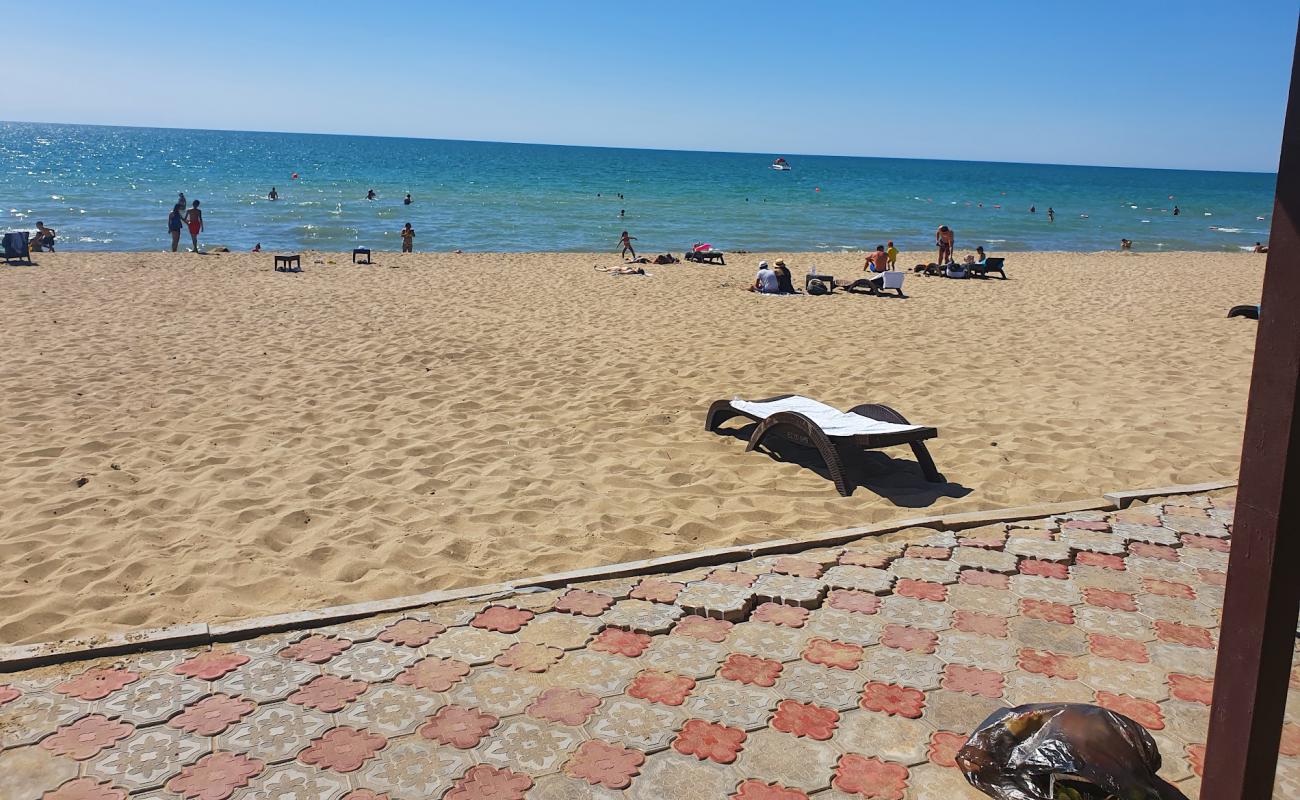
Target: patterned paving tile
{"type": "Point", "coordinates": [729, 703]}
{"type": "Point", "coordinates": [29, 771]}
{"type": "Point", "coordinates": [776, 642]}
{"type": "Point", "coordinates": [266, 679]}
{"type": "Point", "coordinates": [641, 616]}
{"type": "Point", "coordinates": [925, 569]}
{"type": "Point", "coordinates": [985, 559]}
{"type": "Point", "coordinates": [635, 723]}
{"type": "Point", "coordinates": [862, 579]}
{"type": "Point", "coordinates": [414, 767]}
{"type": "Point", "coordinates": [274, 733]}
{"type": "Point", "coordinates": [902, 667]}
{"type": "Point", "coordinates": [147, 759]}
{"type": "Point", "coordinates": [153, 698]}
{"type": "Point", "coordinates": [472, 645]}
{"type": "Point", "coordinates": [812, 683]}
{"type": "Point", "coordinates": [672, 775]}
{"type": "Point", "coordinates": [392, 710]}
{"type": "Point", "coordinates": [718, 599]}
{"type": "Point", "coordinates": [528, 746]}
{"type": "Point", "coordinates": [35, 714]}
{"type": "Point", "coordinates": [775, 757]}
{"type": "Point", "coordinates": [498, 691]}
{"type": "Point", "coordinates": [597, 673]}
{"type": "Point", "coordinates": [294, 781]}
{"type": "Point", "coordinates": [891, 737]}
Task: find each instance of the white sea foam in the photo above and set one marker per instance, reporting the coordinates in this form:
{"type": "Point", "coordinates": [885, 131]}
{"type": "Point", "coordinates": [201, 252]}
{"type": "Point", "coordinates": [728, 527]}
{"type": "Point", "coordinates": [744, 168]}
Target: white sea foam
{"type": "Point", "coordinates": [1229, 230]}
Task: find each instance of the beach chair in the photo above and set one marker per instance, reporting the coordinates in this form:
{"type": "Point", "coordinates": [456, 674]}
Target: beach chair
{"type": "Point", "coordinates": [832, 432]}
{"type": "Point", "coordinates": [892, 279]}
{"type": "Point", "coordinates": [16, 248]}
{"type": "Point", "coordinates": [988, 265]}
{"type": "Point", "coordinates": [706, 255]}
{"type": "Point", "coordinates": [958, 271]}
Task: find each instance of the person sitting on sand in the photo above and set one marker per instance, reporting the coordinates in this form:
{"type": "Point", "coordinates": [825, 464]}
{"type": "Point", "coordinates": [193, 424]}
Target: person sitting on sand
{"type": "Point", "coordinates": [257, 248]}
{"type": "Point", "coordinates": [408, 238]}
{"type": "Point", "coordinates": [1259, 248]}
{"type": "Point", "coordinates": [626, 241]}
{"type": "Point", "coordinates": [765, 282]}
{"type": "Point", "coordinates": [1125, 244]}
{"type": "Point", "coordinates": [877, 261]}
{"type": "Point", "coordinates": [892, 253]}
{"type": "Point", "coordinates": [622, 270]}
{"type": "Point", "coordinates": [43, 240]}
{"type": "Point", "coordinates": [784, 281]}
{"type": "Point", "coordinates": [666, 258]}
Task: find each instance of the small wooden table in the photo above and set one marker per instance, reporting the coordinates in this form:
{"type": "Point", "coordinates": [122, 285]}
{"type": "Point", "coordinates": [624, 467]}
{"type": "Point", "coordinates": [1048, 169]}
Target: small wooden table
{"type": "Point", "coordinates": [361, 251]}
{"type": "Point", "coordinates": [291, 263]}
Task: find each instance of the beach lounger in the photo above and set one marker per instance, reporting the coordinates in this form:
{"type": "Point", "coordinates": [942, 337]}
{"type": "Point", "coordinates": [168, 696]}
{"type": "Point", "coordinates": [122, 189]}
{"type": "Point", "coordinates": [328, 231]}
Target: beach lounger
{"type": "Point", "coordinates": [988, 265]}
{"type": "Point", "coordinates": [1249, 312]}
{"type": "Point", "coordinates": [16, 248]}
{"type": "Point", "coordinates": [833, 432]}
{"type": "Point", "coordinates": [710, 256]}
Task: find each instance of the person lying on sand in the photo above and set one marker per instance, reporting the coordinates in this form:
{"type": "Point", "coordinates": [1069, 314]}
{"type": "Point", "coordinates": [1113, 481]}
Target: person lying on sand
{"type": "Point", "coordinates": [622, 270]}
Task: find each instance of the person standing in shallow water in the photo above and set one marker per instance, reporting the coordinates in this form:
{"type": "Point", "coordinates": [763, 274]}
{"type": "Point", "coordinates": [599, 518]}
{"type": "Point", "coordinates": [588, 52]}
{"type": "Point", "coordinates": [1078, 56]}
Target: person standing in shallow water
{"type": "Point", "coordinates": [194, 219]}
{"type": "Point", "coordinates": [408, 238]}
{"type": "Point", "coordinates": [175, 221]}
{"type": "Point", "coordinates": [1051, 214]}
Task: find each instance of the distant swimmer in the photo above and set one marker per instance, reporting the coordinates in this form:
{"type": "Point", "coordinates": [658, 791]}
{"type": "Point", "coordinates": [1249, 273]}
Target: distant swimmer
{"type": "Point", "coordinates": [257, 248]}
{"type": "Point", "coordinates": [1177, 211]}
{"type": "Point", "coordinates": [626, 241]}
{"type": "Point", "coordinates": [1033, 209]}
{"type": "Point", "coordinates": [370, 195]}
{"type": "Point", "coordinates": [1125, 244]}
{"type": "Point", "coordinates": [945, 239]}
{"type": "Point", "coordinates": [1259, 248]}
{"type": "Point", "coordinates": [406, 201]}
{"type": "Point", "coordinates": [181, 200]}
{"type": "Point", "coordinates": [194, 219]}
{"type": "Point", "coordinates": [408, 238]}
{"type": "Point", "coordinates": [273, 194]}
{"type": "Point", "coordinates": [621, 212]}
{"type": "Point", "coordinates": [1051, 214]}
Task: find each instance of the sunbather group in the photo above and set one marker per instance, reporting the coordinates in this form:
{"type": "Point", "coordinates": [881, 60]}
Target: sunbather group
{"type": "Point", "coordinates": [773, 280]}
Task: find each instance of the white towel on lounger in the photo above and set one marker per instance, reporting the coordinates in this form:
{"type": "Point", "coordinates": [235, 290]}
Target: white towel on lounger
{"type": "Point", "coordinates": [831, 420]}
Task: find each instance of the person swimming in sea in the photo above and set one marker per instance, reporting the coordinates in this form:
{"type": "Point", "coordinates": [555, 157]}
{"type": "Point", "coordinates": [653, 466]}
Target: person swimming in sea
{"type": "Point", "coordinates": [273, 194]}
{"type": "Point", "coordinates": [1177, 211]}
{"type": "Point", "coordinates": [370, 195]}
{"type": "Point", "coordinates": [1126, 244]}
{"type": "Point", "coordinates": [1051, 214]}
{"type": "Point", "coordinates": [406, 201]}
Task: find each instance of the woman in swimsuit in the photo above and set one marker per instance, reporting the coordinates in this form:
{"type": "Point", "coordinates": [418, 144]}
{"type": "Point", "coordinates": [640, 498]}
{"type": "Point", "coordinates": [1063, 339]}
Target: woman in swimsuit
{"type": "Point", "coordinates": [408, 238]}
{"type": "Point", "coordinates": [194, 219]}
{"type": "Point", "coordinates": [174, 222]}
{"type": "Point", "coordinates": [627, 241]}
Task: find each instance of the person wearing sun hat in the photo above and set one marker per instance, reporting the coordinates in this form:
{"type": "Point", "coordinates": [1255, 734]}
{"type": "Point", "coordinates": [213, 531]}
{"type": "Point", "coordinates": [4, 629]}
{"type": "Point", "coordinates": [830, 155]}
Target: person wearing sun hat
{"type": "Point", "coordinates": [784, 281]}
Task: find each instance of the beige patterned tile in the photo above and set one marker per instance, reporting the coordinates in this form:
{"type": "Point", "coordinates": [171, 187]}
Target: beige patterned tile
{"type": "Point", "coordinates": [595, 673]}
{"type": "Point", "coordinates": [777, 642]}
{"type": "Point", "coordinates": [684, 655]}
{"type": "Point", "coordinates": [788, 589]}
{"type": "Point", "coordinates": [635, 723]}
{"type": "Point", "coordinates": [472, 645]}
{"type": "Point", "coordinates": [889, 737]}
{"type": "Point", "coordinates": [391, 709]}
{"type": "Point", "coordinates": [916, 613]}
{"type": "Point", "coordinates": [844, 626]}
{"type": "Point", "coordinates": [414, 768]}
{"type": "Point", "coordinates": [672, 776]}
{"type": "Point", "coordinates": [730, 703]}
{"type": "Point", "coordinates": [641, 616]}
{"type": "Point", "coordinates": [983, 599]}
{"type": "Point", "coordinates": [147, 759]}
{"type": "Point", "coordinates": [825, 686]}
{"type": "Point", "coordinates": [925, 569]}
{"type": "Point", "coordinates": [863, 579]}
{"type": "Point", "coordinates": [985, 559]}
{"type": "Point", "coordinates": [887, 665]}
{"type": "Point", "coordinates": [957, 711]}
{"type": "Point", "coordinates": [794, 762]}
{"type": "Point", "coordinates": [565, 631]}
{"type": "Point", "coordinates": [528, 746]}
{"type": "Point", "coordinates": [958, 647]}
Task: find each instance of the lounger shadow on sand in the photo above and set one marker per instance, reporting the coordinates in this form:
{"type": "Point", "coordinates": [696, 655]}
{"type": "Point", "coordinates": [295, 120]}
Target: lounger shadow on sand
{"type": "Point", "coordinates": [837, 436]}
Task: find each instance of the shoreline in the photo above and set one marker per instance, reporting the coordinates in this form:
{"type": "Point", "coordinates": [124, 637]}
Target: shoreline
{"type": "Point", "coordinates": [254, 443]}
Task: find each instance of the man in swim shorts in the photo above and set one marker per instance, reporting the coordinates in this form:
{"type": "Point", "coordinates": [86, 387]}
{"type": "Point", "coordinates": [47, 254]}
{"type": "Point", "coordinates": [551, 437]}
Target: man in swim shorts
{"type": "Point", "coordinates": [945, 238]}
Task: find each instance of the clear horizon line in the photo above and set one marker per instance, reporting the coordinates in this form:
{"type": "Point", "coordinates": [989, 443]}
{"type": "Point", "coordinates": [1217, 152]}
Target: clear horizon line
{"type": "Point", "coordinates": [651, 149]}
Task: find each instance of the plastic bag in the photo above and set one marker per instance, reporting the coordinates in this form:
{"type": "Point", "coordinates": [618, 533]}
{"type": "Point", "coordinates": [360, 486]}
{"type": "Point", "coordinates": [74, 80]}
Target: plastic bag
{"type": "Point", "coordinates": [1063, 751]}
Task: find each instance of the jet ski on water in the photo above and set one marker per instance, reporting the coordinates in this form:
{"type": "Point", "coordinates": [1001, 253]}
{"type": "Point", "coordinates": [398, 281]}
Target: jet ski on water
{"type": "Point", "coordinates": [781, 164]}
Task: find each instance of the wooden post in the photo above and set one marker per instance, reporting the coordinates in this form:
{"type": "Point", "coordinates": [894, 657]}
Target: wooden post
{"type": "Point", "coordinates": [1263, 592]}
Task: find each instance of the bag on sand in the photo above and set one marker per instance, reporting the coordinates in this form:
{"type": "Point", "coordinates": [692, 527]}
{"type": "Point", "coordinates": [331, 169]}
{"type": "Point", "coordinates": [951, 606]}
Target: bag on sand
{"type": "Point", "coordinates": [816, 286]}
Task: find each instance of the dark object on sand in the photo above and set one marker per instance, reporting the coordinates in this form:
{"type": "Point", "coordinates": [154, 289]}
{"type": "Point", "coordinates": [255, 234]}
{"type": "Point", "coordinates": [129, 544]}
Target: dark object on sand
{"type": "Point", "coordinates": [983, 268]}
{"type": "Point", "coordinates": [1046, 751]}
{"type": "Point", "coordinates": [291, 263]}
{"type": "Point", "coordinates": [1249, 312]}
{"type": "Point", "coordinates": [702, 253]}
{"type": "Point", "coordinates": [832, 432]}
{"type": "Point", "coordinates": [16, 247]}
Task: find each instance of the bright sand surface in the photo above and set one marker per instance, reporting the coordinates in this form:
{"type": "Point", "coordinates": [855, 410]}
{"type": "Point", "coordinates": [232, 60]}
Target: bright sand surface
{"type": "Point", "coordinates": [257, 442]}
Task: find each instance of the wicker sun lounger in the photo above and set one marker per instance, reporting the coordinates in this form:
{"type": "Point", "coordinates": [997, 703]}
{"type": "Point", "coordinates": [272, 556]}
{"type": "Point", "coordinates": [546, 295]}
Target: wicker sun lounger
{"type": "Point", "coordinates": [834, 433]}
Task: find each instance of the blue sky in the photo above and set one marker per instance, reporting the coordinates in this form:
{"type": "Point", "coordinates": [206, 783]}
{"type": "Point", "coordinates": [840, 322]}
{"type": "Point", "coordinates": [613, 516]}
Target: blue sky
{"type": "Point", "coordinates": [1137, 83]}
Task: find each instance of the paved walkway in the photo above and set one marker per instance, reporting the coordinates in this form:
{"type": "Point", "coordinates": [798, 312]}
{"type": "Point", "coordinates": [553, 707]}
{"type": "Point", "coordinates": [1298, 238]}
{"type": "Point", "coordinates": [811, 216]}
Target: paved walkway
{"type": "Point", "coordinates": [840, 672]}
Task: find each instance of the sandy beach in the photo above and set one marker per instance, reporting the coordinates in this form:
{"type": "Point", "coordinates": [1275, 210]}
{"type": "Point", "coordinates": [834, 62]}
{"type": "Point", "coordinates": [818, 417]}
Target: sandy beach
{"type": "Point", "coordinates": [200, 438]}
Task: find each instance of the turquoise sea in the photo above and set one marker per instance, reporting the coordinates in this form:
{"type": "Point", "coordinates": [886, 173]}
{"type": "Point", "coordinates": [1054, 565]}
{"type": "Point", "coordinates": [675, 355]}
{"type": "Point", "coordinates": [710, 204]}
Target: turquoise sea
{"type": "Point", "coordinates": [110, 188]}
